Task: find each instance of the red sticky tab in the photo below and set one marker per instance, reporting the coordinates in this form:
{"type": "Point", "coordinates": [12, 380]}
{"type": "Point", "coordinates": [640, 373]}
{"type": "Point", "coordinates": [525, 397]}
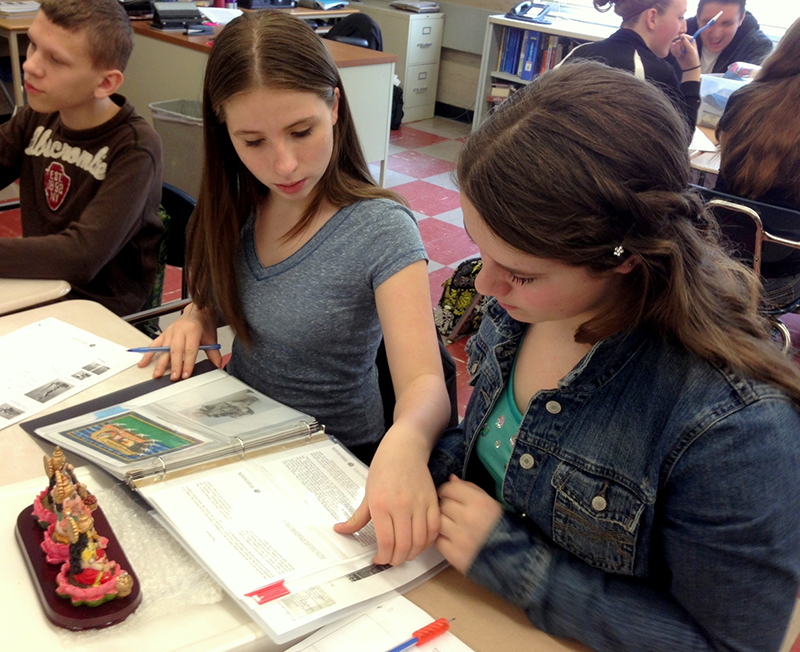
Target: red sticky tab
{"type": "Point", "coordinates": [269, 592]}
{"type": "Point", "coordinates": [431, 631]}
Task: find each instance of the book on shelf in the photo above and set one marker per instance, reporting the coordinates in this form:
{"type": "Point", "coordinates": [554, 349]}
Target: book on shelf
{"type": "Point", "coordinates": [249, 486]}
{"type": "Point", "coordinates": [21, 8]}
{"type": "Point", "coordinates": [529, 60]}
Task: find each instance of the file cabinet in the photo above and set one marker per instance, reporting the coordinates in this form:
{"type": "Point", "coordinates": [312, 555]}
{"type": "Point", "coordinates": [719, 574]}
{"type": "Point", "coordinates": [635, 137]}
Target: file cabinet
{"type": "Point", "coordinates": [416, 39]}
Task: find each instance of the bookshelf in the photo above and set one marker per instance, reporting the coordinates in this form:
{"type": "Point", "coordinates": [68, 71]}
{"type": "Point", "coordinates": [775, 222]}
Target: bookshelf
{"type": "Point", "coordinates": [499, 70]}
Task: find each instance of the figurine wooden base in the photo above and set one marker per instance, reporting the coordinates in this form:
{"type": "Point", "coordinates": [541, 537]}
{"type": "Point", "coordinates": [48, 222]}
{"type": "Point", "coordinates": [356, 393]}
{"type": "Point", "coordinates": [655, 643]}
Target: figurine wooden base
{"type": "Point", "coordinates": [60, 611]}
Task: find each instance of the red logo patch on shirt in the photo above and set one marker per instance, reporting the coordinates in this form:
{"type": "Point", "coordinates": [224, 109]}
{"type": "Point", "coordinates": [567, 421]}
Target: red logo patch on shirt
{"type": "Point", "coordinates": [56, 184]}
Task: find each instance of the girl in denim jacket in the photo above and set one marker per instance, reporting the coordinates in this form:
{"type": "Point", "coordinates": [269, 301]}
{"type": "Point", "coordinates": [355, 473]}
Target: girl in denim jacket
{"type": "Point", "coordinates": [628, 470]}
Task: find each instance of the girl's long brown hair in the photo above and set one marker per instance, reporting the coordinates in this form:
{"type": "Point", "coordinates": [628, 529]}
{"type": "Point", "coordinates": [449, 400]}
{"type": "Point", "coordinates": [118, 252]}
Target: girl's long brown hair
{"type": "Point", "coordinates": [588, 159]}
{"type": "Point", "coordinates": [761, 141]}
{"type": "Point", "coordinates": [263, 49]}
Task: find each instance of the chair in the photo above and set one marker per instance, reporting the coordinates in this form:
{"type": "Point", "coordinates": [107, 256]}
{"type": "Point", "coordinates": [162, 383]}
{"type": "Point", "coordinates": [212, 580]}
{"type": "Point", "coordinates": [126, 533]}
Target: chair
{"type": "Point", "coordinates": [176, 209]}
{"type": "Point", "coordinates": [359, 30]}
{"type": "Point", "coordinates": [761, 235]}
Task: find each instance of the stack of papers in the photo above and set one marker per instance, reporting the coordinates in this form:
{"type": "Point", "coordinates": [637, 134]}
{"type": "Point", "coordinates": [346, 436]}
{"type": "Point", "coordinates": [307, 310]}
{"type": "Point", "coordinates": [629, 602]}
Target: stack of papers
{"type": "Point", "coordinates": [423, 7]}
{"type": "Point", "coordinates": [20, 8]}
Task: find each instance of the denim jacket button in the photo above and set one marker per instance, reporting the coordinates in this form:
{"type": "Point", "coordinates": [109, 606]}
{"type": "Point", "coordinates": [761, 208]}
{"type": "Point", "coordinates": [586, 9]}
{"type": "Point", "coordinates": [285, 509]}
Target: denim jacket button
{"type": "Point", "coordinates": [553, 407]}
{"type": "Point", "coordinates": [527, 461]}
{"type": "Point", "coordinates": [599, 503]}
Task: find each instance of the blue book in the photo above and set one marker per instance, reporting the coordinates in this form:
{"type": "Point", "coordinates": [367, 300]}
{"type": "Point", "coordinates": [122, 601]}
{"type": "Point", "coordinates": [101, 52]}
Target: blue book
{"type": "Point", "coordinates": [529, 62]}
{"type": "Point", "coordinates": [522, 50]}
{"type": "Point", "coordinates": [513, 55]}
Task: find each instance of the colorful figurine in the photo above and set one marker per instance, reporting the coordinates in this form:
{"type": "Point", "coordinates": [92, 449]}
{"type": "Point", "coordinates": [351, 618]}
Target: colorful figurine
{"type": "Point", "coordinates": [89, 577]}
{"type": "Point", "coordinates": [69, 503]}
{"type": "Point", "coordinates": [45, 512]}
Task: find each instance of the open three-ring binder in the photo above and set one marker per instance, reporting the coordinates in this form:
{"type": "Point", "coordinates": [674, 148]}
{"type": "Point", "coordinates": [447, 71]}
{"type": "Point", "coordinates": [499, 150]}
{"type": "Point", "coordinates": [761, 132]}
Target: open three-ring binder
{"type": "Point", "coordinates": [249, 486]}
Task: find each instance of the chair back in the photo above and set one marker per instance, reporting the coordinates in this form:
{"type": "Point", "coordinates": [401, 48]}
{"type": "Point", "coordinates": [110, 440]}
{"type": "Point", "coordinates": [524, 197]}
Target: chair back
{"type": "Point", "coordinates": [175, 210]}
{"type": "Point", "coordinates": [359, 30]}
{"type": "Point", "coordinates": [760, 233]}
{"type": "Point", "coordinates": [179, 207]}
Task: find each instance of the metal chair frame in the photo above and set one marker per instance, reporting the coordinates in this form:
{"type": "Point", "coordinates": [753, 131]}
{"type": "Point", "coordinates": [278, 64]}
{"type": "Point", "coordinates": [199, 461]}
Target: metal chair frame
{"type": "Point", "coordinates": [762, 237]}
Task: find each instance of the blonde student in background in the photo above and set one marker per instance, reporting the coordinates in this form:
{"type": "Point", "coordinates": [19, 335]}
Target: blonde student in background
{"type": "Point", "coordinates": [312, 264]}
{"type": "Point", "coordinates": [627, 469]}
{"type": "Point", "coordinates": [89, 167]}
{"type": "Point", "coordinates": [651, 39]}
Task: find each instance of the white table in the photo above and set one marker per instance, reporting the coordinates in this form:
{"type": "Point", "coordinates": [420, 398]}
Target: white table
{"type": "Point", "coordinates": [482, 620]}
{"type": "Point", "coordinates": [18, 294]}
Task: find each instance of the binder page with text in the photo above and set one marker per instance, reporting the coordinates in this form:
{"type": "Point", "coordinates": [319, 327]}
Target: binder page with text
{"type": "Point", "coordinates": [264, 529]}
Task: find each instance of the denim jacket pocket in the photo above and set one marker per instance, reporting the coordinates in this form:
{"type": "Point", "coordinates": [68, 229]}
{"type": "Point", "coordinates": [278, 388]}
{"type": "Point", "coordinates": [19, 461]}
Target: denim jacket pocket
{"type": "Point", "coordinates": [596, 519]}
{"type": "Point", "coordinates": [476, 351]}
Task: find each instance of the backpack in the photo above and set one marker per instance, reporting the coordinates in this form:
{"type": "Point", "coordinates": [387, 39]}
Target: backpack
{"type": "Point", "coordinates": [459, 309]}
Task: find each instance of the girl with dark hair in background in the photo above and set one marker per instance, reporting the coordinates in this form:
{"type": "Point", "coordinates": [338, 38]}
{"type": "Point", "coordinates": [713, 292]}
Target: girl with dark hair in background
{"type": "Point", "coordinates": [627, 469]}
{"type": "Point", "coordinates": [312, 264]}
{"type": "Point", "coordinates": [759, 136]}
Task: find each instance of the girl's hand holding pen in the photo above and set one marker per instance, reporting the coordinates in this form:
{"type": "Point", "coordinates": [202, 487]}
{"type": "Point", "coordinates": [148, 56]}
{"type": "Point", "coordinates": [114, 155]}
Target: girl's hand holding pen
{"type": "Point", "coordinates": [184, 338]}
{"type": "Point", "coordinates": [685, 51]}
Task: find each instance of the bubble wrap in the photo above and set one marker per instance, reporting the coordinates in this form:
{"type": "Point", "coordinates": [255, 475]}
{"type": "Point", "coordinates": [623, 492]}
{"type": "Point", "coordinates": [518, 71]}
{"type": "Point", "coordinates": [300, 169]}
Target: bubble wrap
{"type": "Point", "coordinates": [167, 588]}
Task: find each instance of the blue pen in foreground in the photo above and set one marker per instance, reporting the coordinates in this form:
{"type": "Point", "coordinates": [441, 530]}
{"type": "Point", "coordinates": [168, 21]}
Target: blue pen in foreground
{"type": "Point", "coordinates": [165, 349]}
{"type": "Point", "coordinates": [706, 26]}
{"type": "Point", "coordinates": [424, 635]}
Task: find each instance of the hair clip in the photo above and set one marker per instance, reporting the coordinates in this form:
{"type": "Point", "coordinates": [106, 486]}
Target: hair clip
{"type": "Point", "coordinates": [618, 251]}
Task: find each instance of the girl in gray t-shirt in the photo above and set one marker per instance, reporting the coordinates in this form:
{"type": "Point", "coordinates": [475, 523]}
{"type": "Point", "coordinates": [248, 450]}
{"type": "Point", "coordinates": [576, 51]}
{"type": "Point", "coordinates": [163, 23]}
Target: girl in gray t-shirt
{"type": "Point", "coordinates": [312, 264]}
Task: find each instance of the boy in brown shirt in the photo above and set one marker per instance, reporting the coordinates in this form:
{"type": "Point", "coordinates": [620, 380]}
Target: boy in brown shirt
{"type": "Point", "coordinates": [89, 166]}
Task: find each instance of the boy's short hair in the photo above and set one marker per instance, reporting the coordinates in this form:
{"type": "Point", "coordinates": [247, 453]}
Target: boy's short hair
{"type": "Point", "coordinates": [741, 4]}
{"type": "Point", "coordinates": [109, 36]}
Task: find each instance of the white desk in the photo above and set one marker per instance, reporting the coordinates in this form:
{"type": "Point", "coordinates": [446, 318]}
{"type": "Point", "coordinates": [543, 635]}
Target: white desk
{"type": "Point", "coordinates": [18, 294]}
{"type": "Point", "coordinates": [483, 621]}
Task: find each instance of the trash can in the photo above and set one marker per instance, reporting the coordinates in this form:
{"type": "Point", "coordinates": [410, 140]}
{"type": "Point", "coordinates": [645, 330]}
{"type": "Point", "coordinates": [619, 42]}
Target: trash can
{"type": "Point", "coordinates": [179, 124]}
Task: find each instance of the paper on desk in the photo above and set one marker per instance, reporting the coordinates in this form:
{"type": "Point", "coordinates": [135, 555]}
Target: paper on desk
{"type": "Point", "coordinates": [701, 142]}
{"type": "Point", "coordinates": [219, 15]}
{"type": "Point", "coordinates": [379, 628]}
{"type": "Point", "coordinates": [49, 361]}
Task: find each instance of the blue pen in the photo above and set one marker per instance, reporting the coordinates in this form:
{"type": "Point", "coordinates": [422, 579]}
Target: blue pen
{"type": "Point", "coordinates": [165, 349]}
{"type": "Point", "coordinates": [705, 27]}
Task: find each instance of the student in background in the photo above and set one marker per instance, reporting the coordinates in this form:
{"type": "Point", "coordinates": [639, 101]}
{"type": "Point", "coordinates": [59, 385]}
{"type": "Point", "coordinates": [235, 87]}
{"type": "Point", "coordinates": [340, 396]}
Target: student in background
{"type": "Point", "coordinates": [295, 246]}
{"type": "Point", "coordinates": [627, 469]}
{"type": "Point", "coordinates": [651, 30]}
{"type": "Point", "coordinates": [89, 167]}
{"type": "Point", "coordinates": [734, 36]}
{"type": "Point", "coordinates": [759, 136]}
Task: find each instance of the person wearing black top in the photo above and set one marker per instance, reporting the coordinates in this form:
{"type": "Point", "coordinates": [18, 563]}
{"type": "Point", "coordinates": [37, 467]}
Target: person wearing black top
{"type": "Point", "coordinates": [652, 31]}
{"type": "Point", "coordinates": [734, 36]}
